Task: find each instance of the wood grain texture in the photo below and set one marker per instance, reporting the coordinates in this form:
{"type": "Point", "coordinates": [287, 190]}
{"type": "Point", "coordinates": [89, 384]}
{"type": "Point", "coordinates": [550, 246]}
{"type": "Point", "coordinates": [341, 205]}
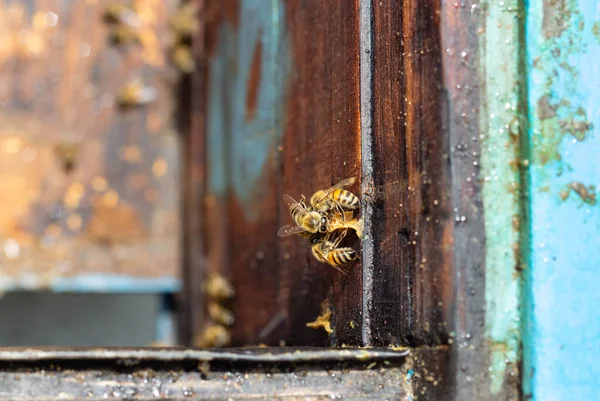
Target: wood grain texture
{"type": "Point", "coordinates": [113, 210]}
{"type": "Point", "coordinates": [281, 117]}
{"type": "Point", "coordinates": [411, 294]}
{"type": "Point", "coordinates": [321, 146]}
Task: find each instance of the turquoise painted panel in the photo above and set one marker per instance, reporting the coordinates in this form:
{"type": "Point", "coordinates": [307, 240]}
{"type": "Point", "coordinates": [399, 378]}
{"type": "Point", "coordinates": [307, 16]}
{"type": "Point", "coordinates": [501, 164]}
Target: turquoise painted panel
{"type": "Point", "coordinates": [104, 283]}
{"type": "Point", "coordinates": [501, 188]}
{"type": "Point", "coordinates": [562, 326]}
{"type": "Point", "coordinates": [244, 125]}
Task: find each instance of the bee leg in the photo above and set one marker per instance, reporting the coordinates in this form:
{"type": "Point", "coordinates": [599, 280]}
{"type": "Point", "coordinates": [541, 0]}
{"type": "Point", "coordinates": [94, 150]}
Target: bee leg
{"type": "Point", "coordinates": [339, 239]}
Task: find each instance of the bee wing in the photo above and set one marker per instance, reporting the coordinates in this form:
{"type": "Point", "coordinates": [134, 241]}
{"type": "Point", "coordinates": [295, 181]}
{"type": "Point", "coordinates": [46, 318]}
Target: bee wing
{"type": "Point", "coordinates": [288, 230]}
{"type": "Point", "coordinates": [344, 183]}
{"type": "Point", "coordinates": [291, 201]}
{"type": "Point", "coordinates": [336, 267]}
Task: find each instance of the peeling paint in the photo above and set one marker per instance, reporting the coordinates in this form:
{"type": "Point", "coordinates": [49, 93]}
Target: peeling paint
{"type": "Point", "coordinates": [500, 162]}
{"type": "Point", "coordinates": [241, 147]}
{"type": "Point", "coordinates": [561, 340]}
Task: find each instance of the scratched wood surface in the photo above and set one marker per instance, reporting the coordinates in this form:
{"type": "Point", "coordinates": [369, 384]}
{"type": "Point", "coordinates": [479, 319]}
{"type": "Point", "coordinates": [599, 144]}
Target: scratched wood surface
{"type": "Point", "coordinates": [114, 208]}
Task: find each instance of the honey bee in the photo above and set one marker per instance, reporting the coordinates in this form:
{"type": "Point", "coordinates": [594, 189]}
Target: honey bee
{"type": "Point", "coordinates": [124, 35]}
{"type": "Point", "coordinates": [135, 93]}
{"type": "Point", "coordinates": [218, 287]}
{"type": "Point", "coordinates": [182, 57]}
{"type": "Point", "coordinates": [220, 315]}
{"type": "Point", "coordinates": [306, 219]}
{"type": "Point", "coordinates": [185, 21]}
{"type": "Point", "coordinates": [213, 336]}
{"type": "Point", "coordinates": [336, 198]}
{"type": "Point", "coordinates": [325, 249]}
{"type": "Point", "coordinates": [122, 14]}
{"type": "Point", "coordinates": [67, 153]}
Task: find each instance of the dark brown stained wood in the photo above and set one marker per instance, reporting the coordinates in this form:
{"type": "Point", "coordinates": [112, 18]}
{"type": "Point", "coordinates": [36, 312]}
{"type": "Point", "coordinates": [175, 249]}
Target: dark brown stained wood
{"type": "Point", "coordinates": [321, 146]}
{"type": "Point", "coordinates": [192, 119]}
{"type": "Point", "coordinates": [85, 187]}
{"type": "Point", "coordinates": [412, 285]}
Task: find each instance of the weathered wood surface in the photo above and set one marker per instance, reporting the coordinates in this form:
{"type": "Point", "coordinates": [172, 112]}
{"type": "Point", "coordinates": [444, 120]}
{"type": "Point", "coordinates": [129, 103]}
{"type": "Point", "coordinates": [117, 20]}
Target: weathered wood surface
{"type": "Point", "coordinates": [401, 95]}
{"type": "Point", "coordinates": [411, 223]}
{"type": "Point", "coordinates": [281, 117]}
{"type": "Point", "coordinates": [112, 214]}
{"type": "Point", "coordinates": [321, 146]}
{"type": "Point", "coordinates": [174, 374]}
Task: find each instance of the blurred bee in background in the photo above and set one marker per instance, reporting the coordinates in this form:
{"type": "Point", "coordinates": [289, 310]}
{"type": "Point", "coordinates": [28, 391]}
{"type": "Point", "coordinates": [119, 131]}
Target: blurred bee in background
{"type": "Point", "coordinates": [124, 24]}
{"type": "Point", "coordinates": [325, 249]}
{"type": "Point", "coordinates": [217, 291]}
{"type": "Point", "coordinates": [136, 93]}
{"type": "Point", "coordinates": [183, 25]}
{"type": "Point", "coordinates": [122, 14]}
{"type": "Point", "coordinates": [184, 22]}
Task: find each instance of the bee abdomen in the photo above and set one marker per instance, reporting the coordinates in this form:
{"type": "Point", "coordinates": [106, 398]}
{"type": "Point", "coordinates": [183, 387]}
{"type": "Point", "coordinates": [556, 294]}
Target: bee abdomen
{"type": "Point", "coordinates": [346, 198]}
{"type": "Point", "coordinates": [295, 212]}
{"type": "Point", "coordinates": [341, 256]}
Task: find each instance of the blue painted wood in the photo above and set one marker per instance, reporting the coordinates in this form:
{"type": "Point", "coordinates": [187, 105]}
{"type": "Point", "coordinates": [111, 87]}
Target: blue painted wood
{"type": "Point", "coordinates": [562, 329]}
{"type": "Point", "coordinates": [104, 283]}
{"type": "Point", "coordinates": [240, 146]}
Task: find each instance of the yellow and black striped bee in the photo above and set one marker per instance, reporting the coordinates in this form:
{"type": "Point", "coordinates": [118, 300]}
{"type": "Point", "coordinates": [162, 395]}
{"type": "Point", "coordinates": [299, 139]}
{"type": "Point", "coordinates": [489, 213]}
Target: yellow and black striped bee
{"type": "Point", "coordinates": [325, 249]}
{"type": "Point", "coordinates": [306, 219]}
{"type": "Point", "coordinates": [336, 198]}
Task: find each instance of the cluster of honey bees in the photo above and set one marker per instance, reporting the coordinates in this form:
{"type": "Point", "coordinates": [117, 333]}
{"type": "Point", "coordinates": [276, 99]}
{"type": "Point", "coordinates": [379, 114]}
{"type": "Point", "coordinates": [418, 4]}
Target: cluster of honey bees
{"type": "Point", "coordinates": [124, 23]}
{"type": "Point", "coordinates": [217, 290]}
{"type": "Point", "coordinates": [325, 221]}
{"type": "Point", "coordinates": [125, 29]}
{"type": "Point", "coordinates": [184, 24]}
